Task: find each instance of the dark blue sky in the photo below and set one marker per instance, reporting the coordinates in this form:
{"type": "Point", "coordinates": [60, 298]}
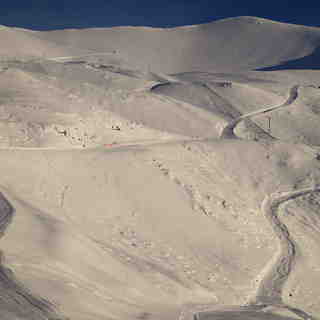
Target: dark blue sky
{"type": "Point", "coordinates": [51, 14]}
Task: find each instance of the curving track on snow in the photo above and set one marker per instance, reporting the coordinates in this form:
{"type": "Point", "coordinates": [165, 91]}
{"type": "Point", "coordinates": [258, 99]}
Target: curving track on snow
{"type": "Point", "coordinates": [228, 131]}
{"type": "Point", "coordinates": [271, 285]}
{"type": "Point", "coordinates": [269, 292]}
{"type": "Point", "coordinates": [274, 277]}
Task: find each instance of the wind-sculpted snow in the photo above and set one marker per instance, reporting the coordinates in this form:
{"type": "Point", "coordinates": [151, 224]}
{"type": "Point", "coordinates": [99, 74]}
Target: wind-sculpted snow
{"type": "Point", "coordinates": [17, 302]}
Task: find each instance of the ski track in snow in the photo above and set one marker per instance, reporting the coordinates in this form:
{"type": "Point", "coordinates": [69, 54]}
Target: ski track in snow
{"type": "Point", "coordinates": [273, 277]}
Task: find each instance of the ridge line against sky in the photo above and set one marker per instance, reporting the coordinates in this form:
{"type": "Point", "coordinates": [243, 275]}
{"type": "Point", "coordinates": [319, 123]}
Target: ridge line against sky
{"type": "Point", "coordinates": [61, 14]}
